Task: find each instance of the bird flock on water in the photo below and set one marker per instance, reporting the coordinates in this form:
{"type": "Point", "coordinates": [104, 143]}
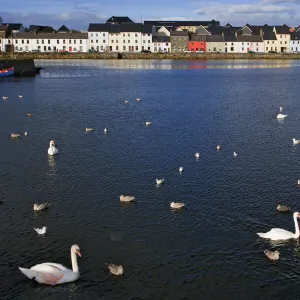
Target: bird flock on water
{"type": "Point", "coordinates": [53, 273]}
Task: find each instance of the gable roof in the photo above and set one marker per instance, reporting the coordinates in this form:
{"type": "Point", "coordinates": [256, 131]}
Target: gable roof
{"type": "Point", "coordinates": [249, 38]}
{"type": "Point", "coordinates": [202, 29]}
{"type": "Point", "coordinates": [117, 28]}
{"type": "Point", "coordinates": [14, 26]}
{"type": "Point", "coordinates": [182, 23]}
{"type": "Point", "coordinates": [161, 39]}
{"type": "Point", "coordinates": [119, 20]}
{"type": "Point", "coordinates": [269, 35]}
{"type": "Point", "coordinates": [63, 28]}
{"type": "Point", "coordinates": [179, 33]}
{"type": "Point", "coordinates": [295, 36]}
{"type": "Point", "coordinates": [3, 28]}
{"type": "Point", "coordinates": [96, 27]}
{"type": "Point", "coordinates": [230, 38]}
{"type": "Point", "coordinates": [284, 29]}
{"type": "Point", "coordinates": [40, 28]}
{"type": "Point", "coordinates": [50, 35]}
{"type": "Point", "coordinates": [198, 38]}
{"type": "Point", "coordinates": [214, 38]}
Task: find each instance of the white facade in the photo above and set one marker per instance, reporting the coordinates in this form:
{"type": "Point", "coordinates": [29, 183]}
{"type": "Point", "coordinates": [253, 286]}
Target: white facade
{"type": "Point", "coordinates": [161, 47]}
{"type": "Point", "coordinates": [147, 42]}
{"type": "Point", "coordinates": [245, 47]}
{"type": "Point", "coordinates": [294, 46]}
{"type": "Point", "coordinates": [48, 42]}
{"type": "Point", "coordinates": [98, 41]}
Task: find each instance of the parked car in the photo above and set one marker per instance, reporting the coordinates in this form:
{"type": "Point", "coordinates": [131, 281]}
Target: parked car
{"type": "Point", "coordinates": [36, 50]}
{"type": "Point", "coordinates": [251, 52]}
{"type": "Point", "coordinates": [272, 52]}
{"type": "Point", "coordinates": [145, 51]}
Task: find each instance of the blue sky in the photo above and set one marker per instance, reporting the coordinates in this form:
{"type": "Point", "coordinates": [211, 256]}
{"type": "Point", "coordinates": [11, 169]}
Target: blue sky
{"type": "Point", "coordinates": [78, 14]}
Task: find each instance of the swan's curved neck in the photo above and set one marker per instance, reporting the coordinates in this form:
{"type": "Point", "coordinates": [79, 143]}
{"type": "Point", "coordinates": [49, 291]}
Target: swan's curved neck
{"type": "Point", "coordinates": [75, 264]}
{"type": "Point", "coordinates": [296, 227]}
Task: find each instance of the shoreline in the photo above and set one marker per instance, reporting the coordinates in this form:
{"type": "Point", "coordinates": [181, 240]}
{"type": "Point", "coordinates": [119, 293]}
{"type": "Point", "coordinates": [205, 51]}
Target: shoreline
{"type": "Point", "coordinates": [158, 56]}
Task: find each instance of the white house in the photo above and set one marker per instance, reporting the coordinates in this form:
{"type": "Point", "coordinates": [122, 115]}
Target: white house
{"type": "Point", "coordinates": [295, 42]}
{"type": "Point", "coordinates": [49, 41]}
{"type": "Point", "coordinates": [161, 44]}
{"type": "Point", "coordinates": [248, 43]}
{"type": "Point", "coordinates": [98, 37]}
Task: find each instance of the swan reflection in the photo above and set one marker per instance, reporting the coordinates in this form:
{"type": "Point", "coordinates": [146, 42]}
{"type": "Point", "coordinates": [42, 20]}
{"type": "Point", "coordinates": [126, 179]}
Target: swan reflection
{"type": "Point", "coordinates": [52, 165]}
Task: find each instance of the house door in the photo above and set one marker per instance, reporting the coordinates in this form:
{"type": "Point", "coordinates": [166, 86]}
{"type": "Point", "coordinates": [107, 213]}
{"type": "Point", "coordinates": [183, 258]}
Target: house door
{"type": "Point", "coordinates": [225, 49]}
{"type": "Point", "coordinates": [248, 49]}
{"type": "Point", "coordinates": [70, 49]}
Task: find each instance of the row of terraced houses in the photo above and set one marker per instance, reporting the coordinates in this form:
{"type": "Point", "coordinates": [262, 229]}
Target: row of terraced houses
{"type": "Point", "coordinates": [121, 34]}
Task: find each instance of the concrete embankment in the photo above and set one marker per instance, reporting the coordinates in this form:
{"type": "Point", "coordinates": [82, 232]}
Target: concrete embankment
{"type": "Point", "coordinates": [199, 56]}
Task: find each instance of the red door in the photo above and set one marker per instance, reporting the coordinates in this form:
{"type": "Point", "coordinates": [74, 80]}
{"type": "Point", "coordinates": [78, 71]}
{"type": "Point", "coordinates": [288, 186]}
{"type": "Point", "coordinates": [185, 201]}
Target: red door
{"type": "Point", "coordinates": [70, 49]}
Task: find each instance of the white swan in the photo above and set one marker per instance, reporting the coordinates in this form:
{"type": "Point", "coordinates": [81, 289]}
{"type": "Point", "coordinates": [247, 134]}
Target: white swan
{"type": "Point", "coordinates": [177, 205]}
{"type": "Point", "coordinates": [41, 230]}
{"type": "Point", "coordinates": [281, 116]}
{"type": "Point", "coordinates": [180, 169]}
{"type": "Point", "coordinates": [52, 148]}
{"type": "Point", "coordinates": [51, 273]}
{"type": "Point", "coordinates": [281, 234]}
{"type": "Point", "coordinates": [41, 206]}
{"type": "Point", "coordinates": [295, 142]}
{"type": "Point", "coordinates": [127, 198]}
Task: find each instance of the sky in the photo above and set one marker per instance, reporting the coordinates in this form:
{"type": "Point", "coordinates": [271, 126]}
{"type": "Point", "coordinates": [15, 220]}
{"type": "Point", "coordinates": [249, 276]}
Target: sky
{"type": "Point", "coordinates": [77, 14]}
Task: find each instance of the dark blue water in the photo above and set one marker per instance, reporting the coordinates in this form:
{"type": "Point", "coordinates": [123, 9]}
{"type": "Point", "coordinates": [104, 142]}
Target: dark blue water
{"type": "Point", "coordinates": [208, 251]}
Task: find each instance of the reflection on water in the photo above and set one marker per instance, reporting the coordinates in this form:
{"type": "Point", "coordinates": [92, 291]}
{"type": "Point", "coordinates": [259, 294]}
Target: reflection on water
{"type": "Point", "coordinates": [52, 165]}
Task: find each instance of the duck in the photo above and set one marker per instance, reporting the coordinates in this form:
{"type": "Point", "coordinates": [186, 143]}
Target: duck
{"type": "Point", "coordinates": [126, 101]}
{"type": "Point", "coordinates": [138, 99]}
{"type": "Point", "coordinates": [283, 208]}
{"type": "Point", "coordinates": [41, 206]}
{"type": "Point", "coordinates": [276, 234]}
{"type": "Point", "coordinates": [20, 96]}
{"type": "Point", "coordinates": [29, 114]}
{"type": "Point", "coordinates": [177, 205]}
{"type": "Point", "coordinates": [234, 154]}
{"type": "Point", "coordinates": [159, 181]}
{"type": "Point", "coordinates": [52, 148]}
{"type": "Point", "coordinates": [115, 269]}
{"type": "Point", "coordinates": [298, 182]}
{"type": "Point", "coordinates": [5, 97]}
{"type": "Point", "coordinates": [219, 147]}
{"type": "Point", "coordinates": [105, 130]}
{"type": "Point", "coordinates": [89, 129]}
{"type": "Point", "coordinates": [148, 123]}
{"type": "Point", "coordinates": [180, 169]}
{"type": "Point", "coordinates": [52, 273]}
{"type": "Point", "coordinates": [273, 255]}
{"type": "Point", "coordinates": [295, 142]}
{"type": "Point", "coordinates": [15, 135]}
{"type": "Point", "coordinates": [41, 230]}
{"type": "Point", "coordinates": [127, 198]}
{"type": "Point", "coordinates": [281, 116]}
{"type": "Point", "coordinates": [197, 155]}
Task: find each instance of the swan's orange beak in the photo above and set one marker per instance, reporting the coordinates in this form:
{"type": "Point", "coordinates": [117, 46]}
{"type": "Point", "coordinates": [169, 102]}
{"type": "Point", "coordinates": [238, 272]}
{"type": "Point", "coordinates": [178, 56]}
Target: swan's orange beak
{"type": "Point", "coordinates": [78, 253]}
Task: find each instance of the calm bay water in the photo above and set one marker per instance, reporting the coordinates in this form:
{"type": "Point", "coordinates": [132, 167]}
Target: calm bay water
{"type": "Point", "coordinates": [208, 251]}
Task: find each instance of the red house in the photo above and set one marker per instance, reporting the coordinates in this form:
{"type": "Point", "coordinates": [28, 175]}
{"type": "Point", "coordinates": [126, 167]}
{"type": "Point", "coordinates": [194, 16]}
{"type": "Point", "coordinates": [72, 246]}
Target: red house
{"type": "Point", "coordinates": [197, 43]}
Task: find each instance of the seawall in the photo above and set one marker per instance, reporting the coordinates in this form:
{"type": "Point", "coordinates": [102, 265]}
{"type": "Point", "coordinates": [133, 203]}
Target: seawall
{"type": "Point", "coordinates": [200, 56]}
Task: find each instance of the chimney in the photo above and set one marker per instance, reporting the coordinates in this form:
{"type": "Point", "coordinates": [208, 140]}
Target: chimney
{"type": "Point", "coordinates": [34, 32]}
{"type": "Point", "coordinates": [222, 34]}
{"type": "Point", "coordinates": [235, 34]}
{"type": "Point", "coordinates": [261, 33]}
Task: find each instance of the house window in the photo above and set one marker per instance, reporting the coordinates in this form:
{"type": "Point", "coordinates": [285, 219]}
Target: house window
{"type": "Point", "coordinates": [64, 41]}
{"type": "Point", "coordinates": [70, 42]}
{"type": "Point", "coordinates": [103, 41]}
{"type": "Point", "coordinates": [128, 41]}
{"type": "Point", "coordinates": [136, 34]}
{"type": "Point", "coordinates": [27, 41]}
{"type": "Point", "coordinates": [272, 42]}
{"type": "Point", "coordinates": [48, 41]}
{"type": "Point", "coordinates": [281, 42]}
{"type": "Point", "coordinates": [80, 41]}
{"type": "Point", "coordinates": [22, 41]}
{"type": "Point", "coordinates": [232, 48]}
{"type": "Point", "coordinates": [96, 41]}
{"type": "Point", "coordinates": [117, 47]}
{"type": "Point", "coordinates": [136, 41]}
{"type": "Point", "coordinates": [231, 44]}
{"type": "Point", "coordinates": [124, 41]}
{"type": "Point", "coordinates": [267, 42]}
{"type": "Point", "coordinates": [117, 41]}
{"type": "Point", "coordinates": [124, 47]}
{"type": "Point", "coordinates": [37, 41]}
{"type": "Point", "coordinates": [276, 49]}
{"type": "Point", "coordinates": [148, 34]}
{"type": "Point", "coordinates": [75, 41]}
{"type": "Point", "coordinates": [266, 48]}
{"type": "Point", "coordinates": [136, 48]}
{"type": "Point", "coordinates": [242, 44]}
{"type": "Point", "coordinates": [57, 41]}
{"type": "Point", "coordinates": [281, 36]}
{"type": "Point", "coordinates": [149, 41]}
{"type": "Point", "coordinates": [101, 47]}
{"type": "Point", "coordinates": [144, 41]}
{"type": "Point", "coordinates": [96, 34]}
{"type": "Point", "coordinates": [42, 41]}
{"type": "Point", "coordinates": [225, 44]}
{"type": "Point", "coordinates": [242, 49]}
{"type": "Point", "coordinates": [167, 44]}
{"type": "Point", "coordinates": [16, 41]}
{"type": "Point", "coordinates": [128, 34]}
{"type": "Point", "coordinates": [292, 48]}
{"type": "Point", "coordinates": [123, 34]}
{"type": "Point", "coordinates": [256, 44]}
{"type": "Point", "coordinates": [285, 42]}
{"type": "Point", "coordinates": [103, 34]}
{"type": "Point", "coordinates": [256, 49]}
{"type": "Point", "coordinates": [91, 34]}
{"type": "Point", "coordinates": [112, 41]}
{"type": "Point", "coordinates": [92, 41]}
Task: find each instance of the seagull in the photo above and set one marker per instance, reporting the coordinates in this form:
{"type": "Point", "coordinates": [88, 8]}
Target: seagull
{"type": "Point", "coordinates": [219, 147]}
{"type": "Point", "coordinates": [180, 169]}
{"type": "Point", "coordinates": [234, 154]}
{"type": "Point", "coordinates": [177, 205]}
{"type": "Point", "coordinates": [283, 208]}
{"type": "Point", "coordinates": [15, 135]}
{"type": "Point", "coordinates": [5, 97]}
{"type": "Point", "coordinates": [89, 129]}
{"type": "Point", "coordinates": [25, 133]}
{"type": "Point", "coordinates": [197, 155]}
{"type": "Point", "coordinates": [298, 182]}
{"type": "Point", "coordinates": [138, 99]}
{"type": "Point", "coordinates": [105, 130]}
{"type": "Point", "coordinates": [115, 269]}
{"type": "Point", "coordinates": [160, 181]}
{"type": "Point", "coordinates": [41, 206]}
{"type": "Point", "coordinates": [41, 230]}
{"type": "Point", "coordinates": [295, 141]}
{"type": "Point", "coordinates": [126, 101]}
{"type": "Point", "coordinates": [20, 96]}
{"type": "Point", "coordinates": [281, 116]}
{"type": "Point", "coordinates": [148, 123]}
{"type": "Point", "coordinates": [273, 255]}
{"type": "Point", "coordinates": [29, 114]}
